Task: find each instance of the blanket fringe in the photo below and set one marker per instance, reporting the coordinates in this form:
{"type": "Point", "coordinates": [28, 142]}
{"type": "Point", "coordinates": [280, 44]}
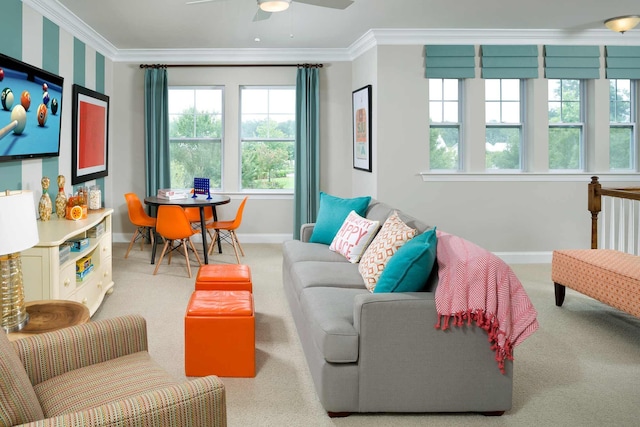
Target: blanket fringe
{"type": "Point", "coordinates": [486, 321]}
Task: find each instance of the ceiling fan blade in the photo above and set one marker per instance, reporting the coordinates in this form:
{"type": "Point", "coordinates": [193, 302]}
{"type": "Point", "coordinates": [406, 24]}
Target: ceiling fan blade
{"type": "Point", "coordinates": [333, 4]}
{"type": "Point", "coordinates": [261, 15]}
{"type": "Point", "coordinates": [202, 1]}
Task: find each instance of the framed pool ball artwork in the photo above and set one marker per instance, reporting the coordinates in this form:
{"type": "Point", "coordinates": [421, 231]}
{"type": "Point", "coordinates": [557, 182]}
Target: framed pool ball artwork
{"type": "Point", "coordinates": [30, 111]}
{"type": "Point", "coordinates": [90, 135]}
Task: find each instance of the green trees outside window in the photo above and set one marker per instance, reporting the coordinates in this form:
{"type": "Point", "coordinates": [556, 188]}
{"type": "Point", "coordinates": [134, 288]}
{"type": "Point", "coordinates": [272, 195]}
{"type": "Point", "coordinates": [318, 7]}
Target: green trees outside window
{"type": "Point", "coordinates": [622, 130]}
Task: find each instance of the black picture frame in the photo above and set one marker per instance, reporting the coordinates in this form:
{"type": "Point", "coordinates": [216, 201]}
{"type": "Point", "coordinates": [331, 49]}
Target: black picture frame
{"type": "Point", "coordinates": [361, 106]}
{"type": "Point", "coordinates": [90, 135]}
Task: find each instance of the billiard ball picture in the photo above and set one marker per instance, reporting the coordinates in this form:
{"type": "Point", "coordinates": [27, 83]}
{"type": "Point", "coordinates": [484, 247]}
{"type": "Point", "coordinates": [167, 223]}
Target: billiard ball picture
{"type": "Point", "coordinates": [25, 99]}
{"type": "Point", "coordinates": [45, 98]}
{"type": "Point", "coordinates": [42, 114]}
{"type": "Point", "coordinates": [20, 115]}
{"type": "Point", "coordinates": [54, 106]}
{"type": "Point", "coordinates": [7, 98]}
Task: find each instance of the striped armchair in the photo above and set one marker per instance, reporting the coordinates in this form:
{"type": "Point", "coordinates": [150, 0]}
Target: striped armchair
{"type": "Point", "coordinates": [100, 374]}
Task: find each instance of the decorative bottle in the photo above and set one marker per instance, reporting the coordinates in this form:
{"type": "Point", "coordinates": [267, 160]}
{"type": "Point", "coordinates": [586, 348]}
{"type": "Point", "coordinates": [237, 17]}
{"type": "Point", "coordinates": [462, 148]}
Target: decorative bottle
{"type": "Point", "coordinates": [61, 198]}
{"type": "Point", "coordinates": [44, 207]}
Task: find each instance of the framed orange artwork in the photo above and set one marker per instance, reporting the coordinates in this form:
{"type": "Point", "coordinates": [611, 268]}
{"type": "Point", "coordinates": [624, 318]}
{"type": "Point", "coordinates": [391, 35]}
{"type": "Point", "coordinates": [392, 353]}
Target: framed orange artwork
{"type": "Point", "coordinates": [362, 128]}
{"type": "Point", "coordinates": [90, 135]}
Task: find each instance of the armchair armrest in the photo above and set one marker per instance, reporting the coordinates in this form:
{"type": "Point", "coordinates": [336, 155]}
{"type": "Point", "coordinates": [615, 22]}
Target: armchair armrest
{"type": "Point", "coordinates": [50, 354]}
{"type": "Point", "coordinates": [197, 403]}
{"type": "Point", "coordinates": [305, 231]}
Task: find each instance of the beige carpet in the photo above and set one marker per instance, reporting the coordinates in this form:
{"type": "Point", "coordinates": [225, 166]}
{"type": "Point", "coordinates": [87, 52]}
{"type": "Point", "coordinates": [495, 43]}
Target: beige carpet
{"type": "Point", "coordinates": [581, 368]}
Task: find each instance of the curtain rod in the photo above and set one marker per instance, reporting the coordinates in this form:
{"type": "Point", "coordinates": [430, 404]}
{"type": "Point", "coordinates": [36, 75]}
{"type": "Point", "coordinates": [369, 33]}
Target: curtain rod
{"type": "Point", "coordinates": [230, 65]}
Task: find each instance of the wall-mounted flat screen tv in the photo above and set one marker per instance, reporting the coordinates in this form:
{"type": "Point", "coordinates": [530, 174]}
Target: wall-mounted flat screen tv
{"type": "Point", "coordinates": [30, 111]}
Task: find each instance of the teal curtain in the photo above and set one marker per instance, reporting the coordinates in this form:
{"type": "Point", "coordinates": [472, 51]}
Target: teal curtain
{"type": "Point", "coordinates": [509, 61]}
{"type": "Point", "coordinates": [307, 177]}
{"type": "Point", "coordinates": [623, 62]}
{"type": "Point", "coordinates": [156, 123]}
{"type": "Point", "coordinates": [571, 62]}
{"type": "Point", "coordinates": [450, 61]}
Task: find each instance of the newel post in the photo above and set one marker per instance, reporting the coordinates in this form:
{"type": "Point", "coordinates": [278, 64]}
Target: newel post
{"type": "Point", "coordinates": [594, 208]}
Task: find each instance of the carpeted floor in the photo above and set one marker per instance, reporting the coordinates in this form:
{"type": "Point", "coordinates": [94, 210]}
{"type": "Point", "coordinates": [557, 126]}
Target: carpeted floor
{"type": "Point", "coordinates": [581, 368]}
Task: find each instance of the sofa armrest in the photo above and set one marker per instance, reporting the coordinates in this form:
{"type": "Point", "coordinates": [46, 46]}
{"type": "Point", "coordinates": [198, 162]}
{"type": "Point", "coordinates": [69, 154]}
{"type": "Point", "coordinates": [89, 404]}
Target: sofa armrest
{"type": "Point", "coordinates": [51, 354]}
{"type": "Point", "coordinates": [198, 403]}
{"type": "Point", "coordinates": [305, 231]}
{"type": "Point", "coordinates": [384, 307]}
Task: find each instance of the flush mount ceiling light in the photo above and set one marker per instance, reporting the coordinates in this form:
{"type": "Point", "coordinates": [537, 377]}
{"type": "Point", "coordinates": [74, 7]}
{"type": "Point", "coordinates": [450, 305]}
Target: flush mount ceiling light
{"type": "Point", "coordinates": [622, 23]}
{"type": "Point", "coordinates": [274, 5]}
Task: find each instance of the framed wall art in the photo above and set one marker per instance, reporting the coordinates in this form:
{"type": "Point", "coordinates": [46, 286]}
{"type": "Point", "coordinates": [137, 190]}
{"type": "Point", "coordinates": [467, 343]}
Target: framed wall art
{"type": "Point", "coordinates": [90, 135]}
{"type": "Point", "coordinates": [362, 128]}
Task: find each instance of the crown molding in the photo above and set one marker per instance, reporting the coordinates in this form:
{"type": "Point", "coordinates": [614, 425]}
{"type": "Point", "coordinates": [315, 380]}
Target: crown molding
{"type": "Point", "coordinates": [61, 16]}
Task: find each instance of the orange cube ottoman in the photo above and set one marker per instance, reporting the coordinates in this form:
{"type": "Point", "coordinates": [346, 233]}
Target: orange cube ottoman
{"type": "Point", "coordinates": [223, 277]}
{"type": "Point", "coordinates": [219, 334]}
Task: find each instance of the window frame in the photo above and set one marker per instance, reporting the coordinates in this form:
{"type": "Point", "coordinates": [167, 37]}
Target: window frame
{"type": "Point", "coordinates": [632, 124]}
{"type": "Point", "coordinates": [459, 125]}
{"type": "Point", "coordinates": [242, 139]}
{"type": "Point", "coordinates": [582, 125]}
{"type": "Point", "coordinates": [220, 140]}
{"type": "Point", "coordinates": [521, 125]}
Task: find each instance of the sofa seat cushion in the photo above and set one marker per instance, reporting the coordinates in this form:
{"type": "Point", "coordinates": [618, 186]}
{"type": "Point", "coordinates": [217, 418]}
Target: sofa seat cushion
{"type": "Point", "coordinates": [312, 274]}
{"type": "Point", "coordinates": [95, 385]}
{"type": "Point", "coordinates": [329, 315]}
{"type": "Point", "coordinates": [295, 251]}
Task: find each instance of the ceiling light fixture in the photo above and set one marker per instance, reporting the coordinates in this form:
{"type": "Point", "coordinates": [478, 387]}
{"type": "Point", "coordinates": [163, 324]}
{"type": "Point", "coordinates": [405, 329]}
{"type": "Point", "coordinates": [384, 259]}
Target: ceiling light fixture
{"type": "Point", "coordinates": [621, 24]}
{"type": "Point", "coordinates": [274, 5]}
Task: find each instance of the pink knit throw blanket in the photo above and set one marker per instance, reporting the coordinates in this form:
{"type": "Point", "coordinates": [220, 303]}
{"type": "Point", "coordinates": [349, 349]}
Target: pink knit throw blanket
{"type": "Point", "coordinates": [477, 286]}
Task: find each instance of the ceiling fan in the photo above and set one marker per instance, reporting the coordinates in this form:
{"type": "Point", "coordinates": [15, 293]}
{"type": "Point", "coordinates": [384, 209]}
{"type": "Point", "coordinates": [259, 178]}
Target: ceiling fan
{"type": "Point", "coordinates": [266, 7]}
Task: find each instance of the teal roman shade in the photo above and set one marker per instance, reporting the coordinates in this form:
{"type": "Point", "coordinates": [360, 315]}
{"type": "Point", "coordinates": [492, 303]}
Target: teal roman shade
{"type": "Point", "coordinates": [623, 62]}
{"type": "Point", "coordinates": [509, 61]}
{"type": "Point", "coordinates": [450, 61]}
{"type": "Point", "coordinates": [572, 62]}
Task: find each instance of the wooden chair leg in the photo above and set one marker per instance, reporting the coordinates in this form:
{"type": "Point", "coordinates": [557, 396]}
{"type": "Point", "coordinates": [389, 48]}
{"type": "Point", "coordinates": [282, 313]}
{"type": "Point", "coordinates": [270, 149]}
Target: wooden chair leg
{"type": "Point", "coordinates": [235, 237]}
{"type": "Point", "coordinates": [133, 240]}
{"type": "Point", "coordinates": [216, 236]}
{"type": "Point", "coordinates": [183, 243]}
{"type": "Point", "coordinates": [164, 250]}
{"type": "Point", "coordinates": [193, 248]}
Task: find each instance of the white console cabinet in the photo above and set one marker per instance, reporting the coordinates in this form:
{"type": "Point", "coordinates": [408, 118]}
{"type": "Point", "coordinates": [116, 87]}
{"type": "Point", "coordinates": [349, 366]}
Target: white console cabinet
{"type": "Point", "coordinates": [48, 275]}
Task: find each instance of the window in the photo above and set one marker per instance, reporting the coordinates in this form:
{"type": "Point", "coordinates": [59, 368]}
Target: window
{"type": "Point", "coordinates": [566, 124]}
{"type": "Point", "coordinates": [195, 135]}
{"type": "Point", "coordinates": [445, 123]}
{"type": "Point", "coordinates": [267, 116]}
{"type": "Point", "coordinates": [622, 129]}
{"type": "Point", "coordinates": [503, 118]}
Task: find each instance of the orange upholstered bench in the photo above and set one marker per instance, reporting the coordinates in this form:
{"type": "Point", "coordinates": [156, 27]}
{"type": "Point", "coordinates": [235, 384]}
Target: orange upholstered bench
{"type": "Point", "coordinates": [222, 277]}
{"type": "Point", "coordinates": [610, 276]}
{"type": "Point", "coordinates": [219, 334]}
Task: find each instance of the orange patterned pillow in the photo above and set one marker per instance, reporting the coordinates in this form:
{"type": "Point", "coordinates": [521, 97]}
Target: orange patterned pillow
{"type": "Point", "coordinates": [393, 234]}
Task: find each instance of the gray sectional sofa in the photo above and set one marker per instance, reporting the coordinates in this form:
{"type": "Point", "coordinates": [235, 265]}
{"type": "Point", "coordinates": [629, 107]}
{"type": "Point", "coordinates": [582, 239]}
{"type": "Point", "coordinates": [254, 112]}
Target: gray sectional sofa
{"type": "Point", "coordinates": [380, 352]}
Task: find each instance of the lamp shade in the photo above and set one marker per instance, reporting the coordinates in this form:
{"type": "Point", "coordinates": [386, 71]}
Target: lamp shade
{"type": "Point", "coordinates": [274, 5]}
{"type": "Point", "coordinates": [622, 23]}
{"type": "Point", "coordinates": [18, 225]}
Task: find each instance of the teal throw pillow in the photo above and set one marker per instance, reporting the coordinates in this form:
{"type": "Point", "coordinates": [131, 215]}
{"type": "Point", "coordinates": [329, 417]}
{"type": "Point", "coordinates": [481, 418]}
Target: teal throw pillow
{"type": "Point", "coordinates": [332, 213]}
{"type": "Point", "coordinates": [409, 268]}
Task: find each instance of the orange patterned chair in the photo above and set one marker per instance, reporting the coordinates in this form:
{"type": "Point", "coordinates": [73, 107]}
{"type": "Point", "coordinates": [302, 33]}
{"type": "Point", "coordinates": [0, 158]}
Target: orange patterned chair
{"type": "Point", "coordinates": [610, 276]}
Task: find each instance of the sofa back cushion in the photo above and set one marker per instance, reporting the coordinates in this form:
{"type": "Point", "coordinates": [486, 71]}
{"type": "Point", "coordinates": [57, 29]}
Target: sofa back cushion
{"type": "Point", "coordinates": [18, 401]}
{"type": "Point", "coordinates": [379, 211]}
{"type": "Point", "coordinates": [332, 213]}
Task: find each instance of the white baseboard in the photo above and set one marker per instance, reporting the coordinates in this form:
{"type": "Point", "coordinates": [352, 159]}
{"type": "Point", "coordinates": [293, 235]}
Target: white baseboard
{"type": "Point", "coordinates": [508, 257]}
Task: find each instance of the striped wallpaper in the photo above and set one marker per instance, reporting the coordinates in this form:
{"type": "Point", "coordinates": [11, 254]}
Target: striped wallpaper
{"type": "Point", "coordinates": [28, 36]}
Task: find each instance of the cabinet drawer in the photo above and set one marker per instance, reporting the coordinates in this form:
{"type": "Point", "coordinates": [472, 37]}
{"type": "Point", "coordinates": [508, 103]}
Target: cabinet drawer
{"type": "Point", "coordinates": [105, 247]}
{"type": "Point", "coordinates": [67, 280]}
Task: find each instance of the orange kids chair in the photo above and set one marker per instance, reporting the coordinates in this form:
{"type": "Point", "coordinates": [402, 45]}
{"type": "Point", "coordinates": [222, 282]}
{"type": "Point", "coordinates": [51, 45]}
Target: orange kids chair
{"type": "Point", "coordinates": [230, 227]}
{"type": "Point", "coordinates": [193, 214]}
{"type": "Point", "coordinates": [173, 224]}
{"type": "Point", "coordinates": [138, 217]}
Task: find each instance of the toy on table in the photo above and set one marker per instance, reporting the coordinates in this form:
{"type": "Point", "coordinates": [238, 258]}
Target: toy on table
{"type": "Point", "coordinates": [201, 186]}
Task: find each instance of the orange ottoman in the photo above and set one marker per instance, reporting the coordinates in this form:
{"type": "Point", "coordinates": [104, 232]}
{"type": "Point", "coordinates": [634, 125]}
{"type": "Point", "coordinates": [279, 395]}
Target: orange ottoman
{"type": "Point", "coordinates": [219, 334]}
{"type": "Point", "coordinates": [222, 277]}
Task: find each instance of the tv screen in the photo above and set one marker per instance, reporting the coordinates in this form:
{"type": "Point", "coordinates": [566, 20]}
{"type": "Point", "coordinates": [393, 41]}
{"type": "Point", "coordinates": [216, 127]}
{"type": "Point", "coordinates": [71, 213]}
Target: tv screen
{"type": "Point", "coordinates": [30, 112]}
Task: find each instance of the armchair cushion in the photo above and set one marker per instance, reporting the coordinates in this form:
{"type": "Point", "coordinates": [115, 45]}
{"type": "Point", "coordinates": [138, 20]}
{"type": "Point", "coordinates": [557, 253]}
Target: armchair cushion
{"type": "Point", "coordinates": [102, 383]}
{"type": "Point", "coordinates": [18, 402]}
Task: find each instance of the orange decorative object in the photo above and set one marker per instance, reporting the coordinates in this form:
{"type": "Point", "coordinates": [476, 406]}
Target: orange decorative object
{"type": "Point", "coordinates": [76, 212]}
{"type": "Point", "coordinates": [219, 334]}
{"type": "Point", "coordinates": [224, 277]}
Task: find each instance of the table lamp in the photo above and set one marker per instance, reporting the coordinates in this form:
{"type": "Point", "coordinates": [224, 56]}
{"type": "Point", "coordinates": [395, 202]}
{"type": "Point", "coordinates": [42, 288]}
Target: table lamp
{"type": "Point", "coordinates": [18, 232]}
